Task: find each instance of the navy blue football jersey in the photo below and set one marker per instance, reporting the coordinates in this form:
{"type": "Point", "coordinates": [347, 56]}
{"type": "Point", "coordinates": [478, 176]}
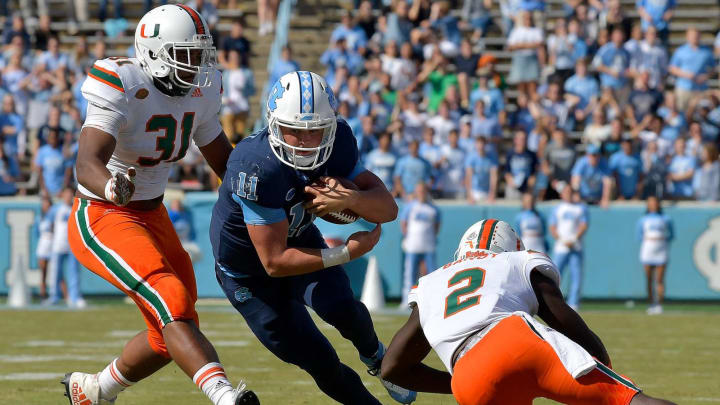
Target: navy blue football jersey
{"type": "Point", "coordinates": [259, 189]}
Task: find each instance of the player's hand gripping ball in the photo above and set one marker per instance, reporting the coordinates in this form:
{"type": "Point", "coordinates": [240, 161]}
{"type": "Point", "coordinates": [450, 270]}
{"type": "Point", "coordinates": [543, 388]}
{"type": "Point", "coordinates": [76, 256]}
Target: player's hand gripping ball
{"type": "Point", "coordinates": [329, 198]}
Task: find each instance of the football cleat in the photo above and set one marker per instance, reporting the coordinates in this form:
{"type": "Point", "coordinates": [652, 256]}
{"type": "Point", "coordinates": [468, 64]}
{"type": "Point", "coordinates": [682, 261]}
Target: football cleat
{"type": "Point", "coordinates": [84, 389]}
{"type": "Point", "coordinates": [398, 393]}
{"type": "Point", "coordinates": [243, 396]}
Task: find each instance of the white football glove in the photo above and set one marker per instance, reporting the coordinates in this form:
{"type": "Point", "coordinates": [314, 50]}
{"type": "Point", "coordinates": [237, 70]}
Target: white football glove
{"type": "Point", "coordinates": [120, 188]}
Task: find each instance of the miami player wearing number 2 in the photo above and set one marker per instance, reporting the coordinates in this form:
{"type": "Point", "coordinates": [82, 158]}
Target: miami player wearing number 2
{"type": "Point", "coordinates": [142, 115]}
{"type": "Point", "coordinates": [271, 259]}
{"type": "Point", "coordinates": [477, 312]}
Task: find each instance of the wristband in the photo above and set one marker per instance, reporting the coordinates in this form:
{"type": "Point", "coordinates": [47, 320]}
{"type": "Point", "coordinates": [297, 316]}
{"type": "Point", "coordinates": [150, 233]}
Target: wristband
{"type": "Point", "coordinates": [110, 189]}
{"type": "Point", "coordinates": [335, 256]}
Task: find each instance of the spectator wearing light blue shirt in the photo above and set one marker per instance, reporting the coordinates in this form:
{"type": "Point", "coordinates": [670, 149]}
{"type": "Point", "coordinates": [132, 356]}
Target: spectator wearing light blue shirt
{"type": "Point", "coordinates": [568, 224]}
{"type": "Point", "coordinates": [53, 59]}
{"type": "Point", "coordinates": [531, 225]}
{"type": "Point", "coordinates": [613, 61]}
{"type": "Point", "coordinates": [520, 168]}
{"type": "Point", "coordinates": [692, 65]}
{"type": "Point", "coordinates": [365, 138]}
{"type": "Point", "coordinates": [581, 91]}
{"type": "Point", "coordinates": [651, 58]}
{"type": "Point", "coordinates": [444, 22]}
{"type": "Point", "coordinates": [590, 175]}
{"type": "Point", "coordinates": [451, 172]}
{"type": "Point", "coordinates": [681, 171]}
{"type": "Point", "coordinates": [486, 126]}
{"type": "Point", "coordinates": [491, 97]}
{"type": "Point", "coordinates": [674, 122]}
{"type": "Point", "coordinates": [430, 151]}
{"type": "Point", "coordinates": [627, 169]}
{"type": "Point", "coordinates": [411, 170]}
{"type": "Point", "coordinates": [11, 125]}
{"type": "Point", "coordinates": [53, 169]}
{"type": "Point", "coordinates": [420, 224]}
{"type": "Point", "coordinates": [381, 161]}
{"type": "Point", "coordinates": [338, 56]}
{"type": "Point", "coordinates": [656, 13]}
{"type": "Point", "coordinates": [286, 64]}
{"type": "Point", "coordinates": [353, 34]}
{"type": "Point", "coordinates": [481, 174]}
{"type": "Point", "coordinates": [706, 181]}
{"type": "Point", "coordinates": [398, 24]}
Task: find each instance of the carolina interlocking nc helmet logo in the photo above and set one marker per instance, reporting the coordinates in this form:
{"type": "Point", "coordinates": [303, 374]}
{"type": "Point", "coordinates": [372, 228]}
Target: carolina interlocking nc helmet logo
{"type": "Point", "coordinates": [156, 31]}
{"type": "Point", "coordinates": [707, 262]}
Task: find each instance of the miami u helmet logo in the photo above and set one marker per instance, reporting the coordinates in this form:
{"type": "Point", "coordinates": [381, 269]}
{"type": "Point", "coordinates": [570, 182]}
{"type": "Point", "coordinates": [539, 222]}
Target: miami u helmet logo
{"type": "Point", "coordinates": [156, 31]}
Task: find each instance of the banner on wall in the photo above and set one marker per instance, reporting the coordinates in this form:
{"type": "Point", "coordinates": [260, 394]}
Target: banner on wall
{"type": "Point", "coordinates": [611, 270]}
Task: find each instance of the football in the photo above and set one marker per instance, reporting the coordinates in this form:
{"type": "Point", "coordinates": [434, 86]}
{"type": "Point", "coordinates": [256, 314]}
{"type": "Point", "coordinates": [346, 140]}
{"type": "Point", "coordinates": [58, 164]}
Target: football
{"type": "Point", "coordinates": [345, 217]}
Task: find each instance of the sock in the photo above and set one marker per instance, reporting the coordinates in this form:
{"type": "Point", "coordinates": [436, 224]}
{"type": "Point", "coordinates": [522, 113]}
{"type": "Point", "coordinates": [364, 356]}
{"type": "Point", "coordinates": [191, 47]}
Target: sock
{"type": "Point", "coordinates": [212, 381]}
{"type": "Point", "coordinates": [112, 382]}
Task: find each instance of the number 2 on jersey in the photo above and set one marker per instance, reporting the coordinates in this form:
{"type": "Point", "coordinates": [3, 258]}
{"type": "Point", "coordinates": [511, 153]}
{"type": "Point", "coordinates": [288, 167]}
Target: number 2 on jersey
{"type": "Point", "coordinates": [166, 142]}
{"type": "Point", "coordinates": [457, 300]}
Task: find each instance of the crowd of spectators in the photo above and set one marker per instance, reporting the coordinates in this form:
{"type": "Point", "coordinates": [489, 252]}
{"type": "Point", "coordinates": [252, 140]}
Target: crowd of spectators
{"type": "Point", "coordinates": [594, 99]}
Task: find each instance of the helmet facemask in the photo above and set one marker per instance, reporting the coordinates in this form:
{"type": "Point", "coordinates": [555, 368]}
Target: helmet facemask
{"type": "Point", "coordinates": [294, 156]}
{"type": "Point", "coordinates": [196, 59]}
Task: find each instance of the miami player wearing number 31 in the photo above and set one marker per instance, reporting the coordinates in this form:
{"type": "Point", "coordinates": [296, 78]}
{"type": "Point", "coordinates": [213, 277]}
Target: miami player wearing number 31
{"type": "Point", "coordinates": [143, 113]}
{"type": "Point", "coordinates": [477, 312]}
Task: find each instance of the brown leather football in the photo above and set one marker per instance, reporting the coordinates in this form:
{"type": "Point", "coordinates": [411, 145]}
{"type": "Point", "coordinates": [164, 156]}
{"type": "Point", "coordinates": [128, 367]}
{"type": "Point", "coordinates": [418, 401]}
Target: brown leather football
{"type": "Point", "coordinates": [345, 217]}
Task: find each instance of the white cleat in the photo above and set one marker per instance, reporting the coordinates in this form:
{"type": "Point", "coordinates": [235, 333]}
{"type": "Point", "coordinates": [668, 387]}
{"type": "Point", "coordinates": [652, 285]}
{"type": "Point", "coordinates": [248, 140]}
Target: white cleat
{"type": "Point", "coordinates": [244, 396]}
{"type": "Point", "coordinates": [84, 389]}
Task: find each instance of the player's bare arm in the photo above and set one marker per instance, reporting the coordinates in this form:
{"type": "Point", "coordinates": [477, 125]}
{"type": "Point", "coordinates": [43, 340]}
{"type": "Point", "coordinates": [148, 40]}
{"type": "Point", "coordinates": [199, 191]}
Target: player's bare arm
{"type": "Point", "coordinates": [402, 364]}
{"type": "Point", "coordinates": [279, 260]}
{"type": "Point", "coordinates": [558, 315]}
{"type": "Point", "coordinates": [372, 201]}
{"type": "Point", "coordinates": [216, 153]}
{"type": "Point", "coordinates": [94, 151]}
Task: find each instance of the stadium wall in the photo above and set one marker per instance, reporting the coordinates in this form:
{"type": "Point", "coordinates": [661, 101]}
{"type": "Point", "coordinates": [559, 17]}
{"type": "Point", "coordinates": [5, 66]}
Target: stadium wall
{"type": "Point", "coordinates": [612, 268]}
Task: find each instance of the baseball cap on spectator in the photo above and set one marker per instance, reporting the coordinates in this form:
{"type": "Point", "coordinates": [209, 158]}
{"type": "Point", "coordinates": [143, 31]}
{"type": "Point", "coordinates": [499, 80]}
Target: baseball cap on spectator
{"type": "Point", "coordinates": [486, 60]}
{"type": "Point", "coordinates": [592, 149]}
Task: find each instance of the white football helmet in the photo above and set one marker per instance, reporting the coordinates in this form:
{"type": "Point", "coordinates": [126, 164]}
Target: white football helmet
{"type": "Point", "coordinates": [489, 234]}
{"type": "Point", "coordinates": [301, 100]}
{"type": "Point", "coordinates": [175, 38]}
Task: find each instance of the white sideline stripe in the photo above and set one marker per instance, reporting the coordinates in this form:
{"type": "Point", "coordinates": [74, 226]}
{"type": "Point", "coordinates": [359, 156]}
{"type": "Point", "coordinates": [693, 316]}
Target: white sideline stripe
{"type": "Point", "coordinates": [62, 343]}
{"type": "Point", "coordinates": [30, 376]}
{"type": "Point", "coordinates": [42, 343]}
{"type": "Point", "coordinates": [121, 262]}
{"type": "Point", "coordinates": [232, 343]}
{"type": "Point", "coordinates": [32, 358]}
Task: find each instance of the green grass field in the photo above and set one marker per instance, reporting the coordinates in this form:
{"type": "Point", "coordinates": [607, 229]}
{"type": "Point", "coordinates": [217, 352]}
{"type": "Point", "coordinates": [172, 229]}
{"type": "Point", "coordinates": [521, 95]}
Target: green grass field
{"type": "Point", "coordinates": [674, 355]}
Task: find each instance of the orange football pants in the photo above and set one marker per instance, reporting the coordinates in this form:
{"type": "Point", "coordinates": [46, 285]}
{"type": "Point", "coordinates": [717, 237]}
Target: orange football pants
{"type": "Point", "coordinates": [513, 365]}
{"type": "Point", "coordinates": [139, 253]}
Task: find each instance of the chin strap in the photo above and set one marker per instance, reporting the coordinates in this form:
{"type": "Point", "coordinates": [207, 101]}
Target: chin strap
{"type": "Point", "coordinates": [167, 87]}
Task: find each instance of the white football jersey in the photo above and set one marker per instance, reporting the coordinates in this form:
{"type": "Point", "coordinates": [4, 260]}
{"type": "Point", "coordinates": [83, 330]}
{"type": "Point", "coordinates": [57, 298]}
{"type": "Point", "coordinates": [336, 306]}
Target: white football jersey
{"type": "Point", "coordinates": [156, 129]}
{"type": "Point", "coordinates": [464, 296]}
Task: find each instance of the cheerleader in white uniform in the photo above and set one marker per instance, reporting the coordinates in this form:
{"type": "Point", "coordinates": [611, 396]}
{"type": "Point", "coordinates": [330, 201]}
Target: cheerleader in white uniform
{"type": "Point", "coordinates": [44, 245]}
{"type": "Point", "coordinates": [655, 231]}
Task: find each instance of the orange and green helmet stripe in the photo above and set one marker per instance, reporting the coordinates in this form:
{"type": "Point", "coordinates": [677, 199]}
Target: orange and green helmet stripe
{"type": "Point", "coordinates": [199, 26]}
{"type": "Point", "coordinates": [486, 233]}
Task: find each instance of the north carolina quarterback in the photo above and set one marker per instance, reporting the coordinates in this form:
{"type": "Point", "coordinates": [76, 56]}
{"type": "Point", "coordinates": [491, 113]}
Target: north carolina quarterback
{"type": "Point", "coordinates": [271, 260]}
{"type": "Point", "coordinates": [477, 313]}
{"type": "Point", "coordinates": [143, 113]}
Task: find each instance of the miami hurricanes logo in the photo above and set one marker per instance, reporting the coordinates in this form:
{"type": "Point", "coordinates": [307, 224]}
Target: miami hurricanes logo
{"type": "Point", "coordinates": [156, 31]}
{"type": "Point", "coordinates": [706, 262]}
